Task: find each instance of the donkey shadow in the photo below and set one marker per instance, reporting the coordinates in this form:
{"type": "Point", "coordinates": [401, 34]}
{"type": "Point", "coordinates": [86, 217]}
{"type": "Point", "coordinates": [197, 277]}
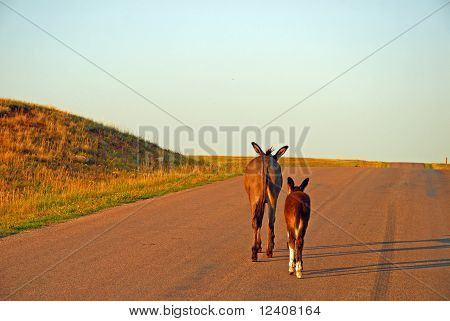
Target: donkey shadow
{"type": "Point", "coordinates": [323, 251]}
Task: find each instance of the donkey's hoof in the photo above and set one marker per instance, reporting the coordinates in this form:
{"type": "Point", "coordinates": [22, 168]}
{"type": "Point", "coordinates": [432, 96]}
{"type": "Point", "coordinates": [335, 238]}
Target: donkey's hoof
{"type": "Point", "coordinates": [269, 254]}
{"type": "Point", "coordinates": [298, 274]}
{"type": "Point", "coordinates": [254, 257]}
{"type": "Point", "coordinates": [291, 270]}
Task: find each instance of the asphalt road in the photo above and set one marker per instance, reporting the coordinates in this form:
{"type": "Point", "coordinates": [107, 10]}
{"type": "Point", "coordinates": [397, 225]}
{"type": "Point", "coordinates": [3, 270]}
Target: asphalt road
{"type": "Point", "coordinates": [374, 234]}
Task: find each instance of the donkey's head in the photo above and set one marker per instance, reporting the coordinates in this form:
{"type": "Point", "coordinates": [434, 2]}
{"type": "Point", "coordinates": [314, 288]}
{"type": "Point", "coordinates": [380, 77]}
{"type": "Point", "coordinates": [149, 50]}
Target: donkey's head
{"type": "Point", "coordinates": [268, 152]}
{"type": "Point", "coordinates": [293, 188]}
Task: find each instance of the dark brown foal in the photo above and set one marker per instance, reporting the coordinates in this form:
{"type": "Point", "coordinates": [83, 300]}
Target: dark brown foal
{"type": "Point", "coordinates": [297, 209]}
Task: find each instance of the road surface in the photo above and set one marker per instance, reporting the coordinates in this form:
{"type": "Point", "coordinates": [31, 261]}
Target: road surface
{"type": "Point", "coordinates": [374, 234]}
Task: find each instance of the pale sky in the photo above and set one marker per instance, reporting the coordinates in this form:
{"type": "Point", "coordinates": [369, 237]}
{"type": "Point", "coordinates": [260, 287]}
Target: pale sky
{"type": "Point", "coordinates": [241, 63]}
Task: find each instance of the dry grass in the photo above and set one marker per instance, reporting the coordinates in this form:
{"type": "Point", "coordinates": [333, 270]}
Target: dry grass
{"type": "Point", "coordinates": [238, 163]}
{"type": "Point", "coordinates": [74, 198]}
{"type": "Point", "coordinates": [55, 166]}
{"type": "Point", "coordinates": [438, 166]}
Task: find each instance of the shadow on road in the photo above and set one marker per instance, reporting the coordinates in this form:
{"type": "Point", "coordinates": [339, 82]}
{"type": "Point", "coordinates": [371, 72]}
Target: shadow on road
{"type": "Point", "coordinates": [441, 240]}
{"type": "Point", "coordinates": [282, 254]}
{"type": "Point", "coordinates": [383, 250]}
{"type": "Point", "coordinates": [379, 267]}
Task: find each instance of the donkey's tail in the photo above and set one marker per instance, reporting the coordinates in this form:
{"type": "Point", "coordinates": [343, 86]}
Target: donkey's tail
{"type": "Point", "coordinates": [262, 199]}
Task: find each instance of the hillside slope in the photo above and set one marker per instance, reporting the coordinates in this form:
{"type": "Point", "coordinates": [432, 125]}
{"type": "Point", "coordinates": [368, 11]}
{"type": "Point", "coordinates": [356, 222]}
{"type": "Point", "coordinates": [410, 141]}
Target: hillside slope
{"type": "Point", "coordinates": [34, 135]}
{"type": "Point", "coordinates": [55, 165]}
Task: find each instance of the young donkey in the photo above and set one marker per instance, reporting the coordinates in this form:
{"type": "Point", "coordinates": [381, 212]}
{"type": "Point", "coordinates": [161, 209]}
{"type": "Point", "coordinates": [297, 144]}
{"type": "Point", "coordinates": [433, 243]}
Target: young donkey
{"type": "Point", "coordinates": [297, 209]}
{"type": "Point", "coordinates": [263, 183]}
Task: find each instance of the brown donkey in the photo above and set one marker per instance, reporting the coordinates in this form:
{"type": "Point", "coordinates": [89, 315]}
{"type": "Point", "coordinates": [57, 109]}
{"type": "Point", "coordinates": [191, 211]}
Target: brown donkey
{"type": "Point", "coordinates": [263, 183]}
{"type": "Point", "coordinates": [297, 209]}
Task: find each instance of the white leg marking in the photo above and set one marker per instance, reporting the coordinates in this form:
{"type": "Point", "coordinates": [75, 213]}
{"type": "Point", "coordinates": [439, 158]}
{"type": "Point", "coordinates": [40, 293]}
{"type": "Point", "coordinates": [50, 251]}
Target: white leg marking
{"type": "Point", "coordinates": [298, 270]}
{"type": "Point", "coordinates": [291, 260]}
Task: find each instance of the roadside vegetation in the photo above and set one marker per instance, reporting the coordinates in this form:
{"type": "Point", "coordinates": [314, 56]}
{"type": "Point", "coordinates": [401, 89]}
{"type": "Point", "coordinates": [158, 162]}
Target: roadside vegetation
{"type": "Point", "coordinates": [55, 166]}
{"type": "Point", "coordinates": [238, 163]}
{"type": "Point", "coordinates": [438, 166]}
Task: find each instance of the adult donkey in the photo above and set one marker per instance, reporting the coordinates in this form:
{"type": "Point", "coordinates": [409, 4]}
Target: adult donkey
{"type": "Point", "coordinates": [263, 181]}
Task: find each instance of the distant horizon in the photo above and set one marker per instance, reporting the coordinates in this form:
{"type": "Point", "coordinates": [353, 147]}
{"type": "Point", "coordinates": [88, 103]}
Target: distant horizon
{"type": "Point", "coordinates": [243, 64]}
{"type": "Point", "coordinates": [223, 155]}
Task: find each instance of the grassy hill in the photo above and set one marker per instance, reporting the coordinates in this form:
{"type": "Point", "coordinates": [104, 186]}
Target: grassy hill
{"type": "Point", "coordinates": [55, 166]}
{"type": "Point", "coordinates": [44, 136]}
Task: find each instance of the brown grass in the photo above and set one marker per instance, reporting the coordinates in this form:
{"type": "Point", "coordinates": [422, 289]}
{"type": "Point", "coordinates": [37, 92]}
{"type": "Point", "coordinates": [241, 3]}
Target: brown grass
{"type": "Point", "coordinates": [438, 166]}
{"type": "Point", "coordinates": [55, 166]}
{"type": "Point", "coordinates": [238, 163]}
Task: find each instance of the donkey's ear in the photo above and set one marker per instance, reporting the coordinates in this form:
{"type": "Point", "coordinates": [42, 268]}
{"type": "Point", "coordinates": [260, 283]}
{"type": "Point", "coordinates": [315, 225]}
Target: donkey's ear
{"type": "Point", "coordinates": [257, 148]}
{"type": "Point", "coordinates": [291, 184]}
{"type": "Point", "coordinates": [304, 184]}
{"type": "Point", "coordinates": [280, 152]}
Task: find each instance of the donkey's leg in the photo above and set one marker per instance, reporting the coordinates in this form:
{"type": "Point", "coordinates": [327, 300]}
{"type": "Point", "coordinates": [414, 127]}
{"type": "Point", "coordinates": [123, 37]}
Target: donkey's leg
{"type": "Point", "coordinates": [259, 224]}
{"type": "Point", "coordinates": [291, 244]}
{"type": "Point", "coordinates": [259, 243]}
{"type": "Point", "coordinates": [298, 256]}
{"type": "Point", "coordinates": [259, 221]}
{"type": "Point", "coordinates": [271, 230]}
{"type": "Point", "coordinates": [256, 224]}
{"type": "Point", "coordinates": [255, 239]}
{"type": "Point", "coordinates": [302, 234]}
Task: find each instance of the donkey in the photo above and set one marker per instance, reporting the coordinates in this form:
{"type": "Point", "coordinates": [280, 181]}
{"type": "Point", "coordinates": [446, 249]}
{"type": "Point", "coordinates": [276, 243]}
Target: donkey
{"type": "Point", "coordinates": [297, 209]}
{"type": "Point", "coordinates": [263, 181]}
